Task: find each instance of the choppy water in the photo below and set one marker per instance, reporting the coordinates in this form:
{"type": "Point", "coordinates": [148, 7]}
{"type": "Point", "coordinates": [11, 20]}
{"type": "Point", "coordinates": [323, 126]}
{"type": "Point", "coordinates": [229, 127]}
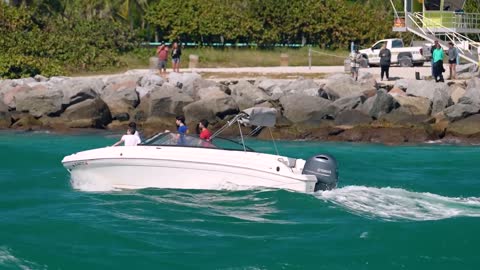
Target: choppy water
{"type": "Point", "coordinates": [405, 207]}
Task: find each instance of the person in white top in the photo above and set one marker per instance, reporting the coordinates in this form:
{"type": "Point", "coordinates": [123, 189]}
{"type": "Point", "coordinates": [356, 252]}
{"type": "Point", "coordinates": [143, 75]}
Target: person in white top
{"type": "Point", "coordinates": [134, 126]}
{"type": "Point", "coordinates": [129, 139]}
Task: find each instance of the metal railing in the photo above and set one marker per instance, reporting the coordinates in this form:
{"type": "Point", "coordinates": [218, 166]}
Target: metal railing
{"type": "Point", "coordinates": [428, 28]}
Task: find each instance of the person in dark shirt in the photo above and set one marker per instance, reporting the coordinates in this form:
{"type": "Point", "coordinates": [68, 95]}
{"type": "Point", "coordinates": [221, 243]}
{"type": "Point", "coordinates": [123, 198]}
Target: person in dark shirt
{"type": "Point", "coordinates": [385, 60]}
{"type": "Point", "coordinates": [176, 53]}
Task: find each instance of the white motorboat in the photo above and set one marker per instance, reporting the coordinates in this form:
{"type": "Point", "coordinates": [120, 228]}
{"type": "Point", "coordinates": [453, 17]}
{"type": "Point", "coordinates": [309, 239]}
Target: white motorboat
{"type": "Point", "coordinates": [171, 160]}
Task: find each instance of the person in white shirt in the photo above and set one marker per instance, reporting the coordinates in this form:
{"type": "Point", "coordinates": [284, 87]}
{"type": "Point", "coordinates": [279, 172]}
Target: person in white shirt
{"type": "Point", "coordinates": [134, 126]}
{"type": "Point", "coordinates": [129, 139]}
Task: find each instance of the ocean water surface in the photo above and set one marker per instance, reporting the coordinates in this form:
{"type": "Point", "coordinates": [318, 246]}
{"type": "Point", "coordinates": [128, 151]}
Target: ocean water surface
{"type": "Point", "coordinates": [397, 207]}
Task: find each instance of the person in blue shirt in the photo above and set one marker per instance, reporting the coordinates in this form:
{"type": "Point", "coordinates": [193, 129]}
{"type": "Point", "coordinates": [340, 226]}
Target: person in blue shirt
{"type": "Point", "coordinates": [182, 129]}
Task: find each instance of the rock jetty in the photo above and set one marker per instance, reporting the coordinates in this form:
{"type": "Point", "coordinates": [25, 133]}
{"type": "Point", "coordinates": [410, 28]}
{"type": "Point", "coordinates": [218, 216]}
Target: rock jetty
{"type": "Point", "coordinates": [335, 109]}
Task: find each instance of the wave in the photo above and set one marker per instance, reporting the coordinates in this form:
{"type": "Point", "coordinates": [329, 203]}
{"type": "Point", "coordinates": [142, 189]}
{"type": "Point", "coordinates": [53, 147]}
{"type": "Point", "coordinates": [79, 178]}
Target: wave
{"type": "Point", "coordinates": [9, 261]}
{"type": "Point", "coordinates": [398, 204]}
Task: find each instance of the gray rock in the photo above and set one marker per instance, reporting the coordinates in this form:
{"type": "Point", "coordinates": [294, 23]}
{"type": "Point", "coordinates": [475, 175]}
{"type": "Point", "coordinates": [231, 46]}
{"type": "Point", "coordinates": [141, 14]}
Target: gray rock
{"type": "Point", "coordinates": [302, 86]}
{"type": "Point", "coordinates": [10, 92]}
{"type": "Point", "coordinates": [404, 116]}
{"type": "Point", "coordinates": [456, 92]}
{"type": "Point", "coordinates": [428, 89]}
{"type": "Point", "coordinates": [467, 126]}
{"type": "Point", "coordinates": [147, 83]}
{"type": "Point", "coordinates": [88, 113]}
{"type": "Point", "coordinates": [352, 118]}
{"type": "Point", "coordinates": [305, 109]}
{"type": "Point", "coordinates": [78, 90]}
{"type": "Point", "coordinates": [342, 85]}
{"type": "Point", "coordinates": [460, 110]}
{"type": "Point", "coordinates": [121, 96]}
{"type": "Point", "coordinates": [40, 78]}
{"type": "Point", "coordinates": [415, 105]}
{"type": "Point", "coordinates": [472, 92]}
{"type": "Point", "coordinates": [402, 84]}
{"type": "Point", "coordinates": [441, 99]}
{"type": "Point", "coordinates": [184, 81]}
{"type": "Point", "coordinates": [5, 116]}
{"type": "Point", "coordinates": [166, 101]}
{"type": "Point", "coordinates": [211, 108]}
{"type": "Point", "coordinates": [247, 95]}
{"type": "Point", "coordinates": [383, 104]}
{"type": "Point", "coordinates": [40, 102]}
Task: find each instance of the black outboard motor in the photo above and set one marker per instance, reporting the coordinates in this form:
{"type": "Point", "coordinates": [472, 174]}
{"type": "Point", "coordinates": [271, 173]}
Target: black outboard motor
{"type": "Point", "coordinates": [324, 167]}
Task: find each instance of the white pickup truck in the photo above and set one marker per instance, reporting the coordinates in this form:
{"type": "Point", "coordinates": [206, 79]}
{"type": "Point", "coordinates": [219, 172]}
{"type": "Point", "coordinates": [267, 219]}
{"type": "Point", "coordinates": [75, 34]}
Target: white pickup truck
{"type": "Point", "coordinates": [404, 56]}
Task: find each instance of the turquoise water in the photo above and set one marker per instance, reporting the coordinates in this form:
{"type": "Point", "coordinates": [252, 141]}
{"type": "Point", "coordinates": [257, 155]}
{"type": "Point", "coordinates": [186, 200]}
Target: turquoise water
{"type": "Point", "coordinates": [404, 207]}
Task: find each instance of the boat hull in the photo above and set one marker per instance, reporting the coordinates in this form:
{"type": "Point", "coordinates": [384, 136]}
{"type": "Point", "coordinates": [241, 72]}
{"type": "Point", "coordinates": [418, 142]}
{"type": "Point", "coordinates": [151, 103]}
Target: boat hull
{"type": "Point", "coordinates": [185, 168]}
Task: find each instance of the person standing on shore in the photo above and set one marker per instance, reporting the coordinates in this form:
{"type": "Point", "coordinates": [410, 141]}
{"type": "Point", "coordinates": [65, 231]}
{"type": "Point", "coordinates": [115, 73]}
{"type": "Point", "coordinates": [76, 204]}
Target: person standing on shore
{"type": "Point", "coordinates": [438, 62]}
{"type": "Point", "coordinates": [452, 60]}
{"type": "Point", "coordinates": [176, 53]}
{"type": "Point", "coordinates": [385, 60]}
{"type": "Point", "coordinates": [355, 58]}
{"type": "Point", "coordinates": [162, 52]}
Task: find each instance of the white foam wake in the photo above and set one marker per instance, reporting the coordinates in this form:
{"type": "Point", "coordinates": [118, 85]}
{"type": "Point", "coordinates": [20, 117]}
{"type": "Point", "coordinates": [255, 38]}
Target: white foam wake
{"type": "Point", "coordinates": [10, 261]}
{"type": "Point", "coordinates": [87, 183]}
{"type": "Point", "coordinates": [397, 204]}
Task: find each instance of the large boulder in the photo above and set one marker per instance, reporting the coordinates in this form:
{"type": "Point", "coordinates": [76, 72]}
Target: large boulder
{"type": "Point", "coordinates": [5, 117]}
{"type": "Point", "coordinates": [467, 126]}
{"type": "Point", "coordinates": [352, 118]}
{"type": "Point", "coordinates": [273, 88]}
{"type": "Point", "coordinates": [148, 82]}
{"type": "Point", "coordinates": [217, 105]}
{"type": "Point", "coordinates": [456, 92]}
{"type": "Point", "coordinates": [10, 92]}
{"type": "Point", "coordinates": [472, 92]}
{"type": "Point", "coordinates": [39, 102]}
{"type": "Point", "coordinates": [382, 104]}
{"type": "Point", "coordinates": [422, 88]}
{"type": "Point", "coordinates": [405, 116]}
{"type": "Point", "coordinates": [184, 81]}
{"type": "Point", "coordinates": [342, 85]}
{"type": "Point", "coordinates": [121, 96]}
{"type": "Point", "coordinates": [305, 109]}
{"type": "Point", "coordinates": [88, 113]}
{"type": "Point", "coordinates": [349, 103]}
{"type": "Point", "coordinates": [460, 110]}
{"type": "Point", "coordinates": [77, 90]}
{"type": "Point", "coordinates": [301, 86]}
{"type": "Point", "coordinates": [415, 105]}
{"type": "Point", "coordinates": [247, 95]}
{"type": "Point", "coordinates": [166, 101]}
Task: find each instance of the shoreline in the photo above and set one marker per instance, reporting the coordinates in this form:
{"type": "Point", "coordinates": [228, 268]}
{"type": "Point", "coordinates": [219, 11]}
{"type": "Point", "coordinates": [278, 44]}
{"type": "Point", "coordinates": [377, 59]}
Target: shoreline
{"type": "Point", "coordinates": [328, 108]}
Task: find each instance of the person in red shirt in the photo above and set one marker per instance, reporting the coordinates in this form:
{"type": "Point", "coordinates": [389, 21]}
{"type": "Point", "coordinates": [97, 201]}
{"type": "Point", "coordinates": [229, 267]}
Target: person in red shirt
{"type": "Point", "coordinates": [205, 134]}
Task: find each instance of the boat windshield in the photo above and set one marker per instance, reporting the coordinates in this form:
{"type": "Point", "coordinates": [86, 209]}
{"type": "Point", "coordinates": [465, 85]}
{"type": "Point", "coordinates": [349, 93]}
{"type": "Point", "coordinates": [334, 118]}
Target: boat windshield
{"type": "Point", "coordinates": [175, 139]}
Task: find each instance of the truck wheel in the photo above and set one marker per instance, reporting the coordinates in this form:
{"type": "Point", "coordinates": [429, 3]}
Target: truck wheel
{"type": "Point", "coordinates": [405, 61]}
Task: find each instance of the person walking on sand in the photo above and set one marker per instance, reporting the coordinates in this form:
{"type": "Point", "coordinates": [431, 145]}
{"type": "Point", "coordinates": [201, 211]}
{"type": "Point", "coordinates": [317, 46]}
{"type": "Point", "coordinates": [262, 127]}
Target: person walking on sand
{"type": "Point", "coordinates": [452, 60]}
{"type": "Point", "coordinates": [176, 53]}
{"type": "Point", "coordinates": [162, 52]}
{"type": "Point", "coordinates": [355, 58]}
{"type": "Point", "coordinates": [385, 60]}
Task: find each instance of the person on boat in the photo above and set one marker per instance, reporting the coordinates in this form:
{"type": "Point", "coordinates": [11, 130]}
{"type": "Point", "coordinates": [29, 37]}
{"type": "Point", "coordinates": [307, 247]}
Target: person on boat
{"type": "Point", "coordinates": [205, 134]}
{"type": "Point", "coordinates": [129, 139]}
{"type": "Point", "coordinates": [182, 128]}
{"type": "Point", "coordinates": [133, 125]}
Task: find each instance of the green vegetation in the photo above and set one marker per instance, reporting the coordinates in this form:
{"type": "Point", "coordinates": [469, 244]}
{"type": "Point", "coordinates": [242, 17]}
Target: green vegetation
{"type": "Point", "coordinates": [59, 37]}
